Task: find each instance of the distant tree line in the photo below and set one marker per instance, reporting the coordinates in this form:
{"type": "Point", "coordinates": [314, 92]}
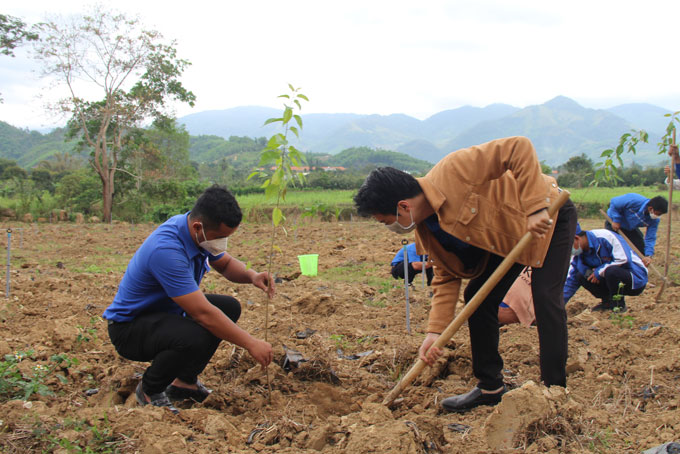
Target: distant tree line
{"type": "Point", "coordinates": [579, 172]}
{"type": "Point", "coordinates": [159, 173]}
{"type": "Point", "coordinates": [158, 176]}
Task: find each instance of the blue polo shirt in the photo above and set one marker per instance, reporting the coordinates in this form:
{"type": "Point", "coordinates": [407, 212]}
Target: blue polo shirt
{"type": "Point", "coordinates": [168, 264]}
{"type": "Point", "coordinates": [412, 256]}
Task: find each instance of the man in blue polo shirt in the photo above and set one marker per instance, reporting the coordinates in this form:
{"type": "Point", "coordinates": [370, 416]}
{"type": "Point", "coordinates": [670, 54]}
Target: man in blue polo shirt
{"type": "Point", "coordinates": [159, 313]}
{"type": "Point", "coordinates": [415, 264]}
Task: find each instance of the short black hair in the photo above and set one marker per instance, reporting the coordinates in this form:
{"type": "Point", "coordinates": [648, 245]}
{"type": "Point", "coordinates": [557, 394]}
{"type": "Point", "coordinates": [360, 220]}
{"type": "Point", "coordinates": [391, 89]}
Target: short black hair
{"type": "Point", "coordinates": [659, 204]}
{"type": "Point", "coordinates": [217, 206]}
{"type": "Point", "coordinates": [383, 188]}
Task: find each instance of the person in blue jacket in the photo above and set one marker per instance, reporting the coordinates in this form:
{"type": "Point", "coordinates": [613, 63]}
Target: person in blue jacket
{"type": "Point", "coordinates": [415, 264]}
{"type": "Point", "coordinates": [631, 211]}
{"type": "Point", "coordinates": [607, 267]}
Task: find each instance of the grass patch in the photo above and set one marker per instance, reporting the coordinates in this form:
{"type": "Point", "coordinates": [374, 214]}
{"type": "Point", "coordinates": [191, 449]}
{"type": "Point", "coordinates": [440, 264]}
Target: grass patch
{"type": "Point", "coordinates": [299, 198]}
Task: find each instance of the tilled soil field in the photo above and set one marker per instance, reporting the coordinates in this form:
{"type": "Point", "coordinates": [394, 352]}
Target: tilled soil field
{"type": "Point", "coordinates": [340, 345]}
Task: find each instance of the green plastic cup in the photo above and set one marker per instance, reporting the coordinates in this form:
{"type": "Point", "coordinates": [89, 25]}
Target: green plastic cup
{"type": "Point", "coordinates": [309, 264]}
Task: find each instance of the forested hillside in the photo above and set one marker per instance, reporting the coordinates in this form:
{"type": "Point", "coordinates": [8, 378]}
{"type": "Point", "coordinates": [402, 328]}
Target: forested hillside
{"type": "Point", "coordinates": [560, 128]}
{"type": "Point", "coordinates": [28, 148]}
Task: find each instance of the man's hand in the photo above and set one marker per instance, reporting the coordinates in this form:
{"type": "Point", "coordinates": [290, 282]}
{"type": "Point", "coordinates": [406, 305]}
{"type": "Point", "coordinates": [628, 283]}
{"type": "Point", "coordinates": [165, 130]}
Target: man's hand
{"type": "Point", "coordinates": [646, 260]}
{"type": "Point", "coordinates": [667, 171]}
{"type": "Point", "coordinates": [592, 278]}
{"type": "Point", "coordinates": [616, 226]}
{"type": "Point", "coordinates": [428, 353]}
{"type": "Point", "coordinates": [261, 351]}
{"type": "Point", "coordinates": [260, 280]}
{"type": "Point", "coordinates": [539, 223]}
{"type": "Point", "coordinates": [673, 153]}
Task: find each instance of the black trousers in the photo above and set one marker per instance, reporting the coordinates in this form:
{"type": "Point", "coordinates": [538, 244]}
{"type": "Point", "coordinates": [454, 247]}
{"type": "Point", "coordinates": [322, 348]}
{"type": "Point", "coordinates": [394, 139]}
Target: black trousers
{"type": "Point", "coordinates": [176, 346]}
{"type": "Point", "coordinates": [398, 272]}
{"type": "Point", "coordinates": [635, 236]}
{"type": "Point", "coordinates": [547, 286]}
{"type": "Point", "coordinates": [609, 286]}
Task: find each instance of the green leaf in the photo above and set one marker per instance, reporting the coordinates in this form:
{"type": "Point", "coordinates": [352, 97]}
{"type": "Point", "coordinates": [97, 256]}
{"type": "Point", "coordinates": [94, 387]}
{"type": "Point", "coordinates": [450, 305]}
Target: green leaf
{"type": "Point", "coordinates": [287, 114]}
{"type": "Point", "coordinates": [298, 104]}
{"type": "Point", "coordinates": [300, 95]}
{"type": "Point", "coordinates": [284, 96]}
{"type": "Point", "coordinates": [298, 119]}
{"type": "Point", "coordinates": [277, 216]}
{"type": "Point", "coordinates": [271, 191]}
{"type": "Point", "coordinates": [295, 131]}
{"type": "Point", "coordinates": [272, 120]}
{"type": "Point", "coordinates": [276, 141]}
{"type": "Point", "coordinates": [268, 156]}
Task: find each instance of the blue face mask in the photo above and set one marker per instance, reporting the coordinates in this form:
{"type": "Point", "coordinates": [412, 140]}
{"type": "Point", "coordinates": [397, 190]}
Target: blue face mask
{"type": "Point", "coordinates": [576, 251]}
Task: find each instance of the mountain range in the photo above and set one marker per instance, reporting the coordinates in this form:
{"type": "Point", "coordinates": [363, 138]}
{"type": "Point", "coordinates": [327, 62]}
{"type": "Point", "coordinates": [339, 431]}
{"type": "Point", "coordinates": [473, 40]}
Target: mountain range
{"type": "Point", "coordinates": [560, 128]}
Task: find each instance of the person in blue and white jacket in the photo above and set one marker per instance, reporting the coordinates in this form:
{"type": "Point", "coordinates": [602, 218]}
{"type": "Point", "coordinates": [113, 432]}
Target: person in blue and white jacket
{"type": "Point", "coordinates": [631, 211]}
{"type": "Point", "coordinates": [602, 261]}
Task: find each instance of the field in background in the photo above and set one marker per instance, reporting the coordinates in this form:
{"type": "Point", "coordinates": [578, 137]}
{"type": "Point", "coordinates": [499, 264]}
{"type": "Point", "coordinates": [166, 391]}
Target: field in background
{"type": "Point", "coordinates": [343, 198]}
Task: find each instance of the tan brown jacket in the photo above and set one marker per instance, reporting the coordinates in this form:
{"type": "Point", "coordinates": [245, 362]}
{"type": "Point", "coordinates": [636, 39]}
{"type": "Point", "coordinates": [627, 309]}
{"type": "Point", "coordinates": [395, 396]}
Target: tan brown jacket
{"type": "Point", "coordinates": [482, 195]}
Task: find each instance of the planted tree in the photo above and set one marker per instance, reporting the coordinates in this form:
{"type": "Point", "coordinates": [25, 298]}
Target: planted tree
{"type": "Point", "coordinates": [276, 167]}
{"type": "Point", "coordinates": [116, 74]}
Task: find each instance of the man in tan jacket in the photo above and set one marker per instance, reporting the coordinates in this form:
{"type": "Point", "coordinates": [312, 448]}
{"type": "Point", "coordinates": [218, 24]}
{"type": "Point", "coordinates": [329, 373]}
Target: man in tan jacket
{"type": "Point", "coordinates": [469, 211]}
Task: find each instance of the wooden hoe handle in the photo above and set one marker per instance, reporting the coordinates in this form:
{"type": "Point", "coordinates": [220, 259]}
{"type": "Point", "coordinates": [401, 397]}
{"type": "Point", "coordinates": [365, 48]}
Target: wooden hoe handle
{"type": "Point", "coordinates": [472, 305]}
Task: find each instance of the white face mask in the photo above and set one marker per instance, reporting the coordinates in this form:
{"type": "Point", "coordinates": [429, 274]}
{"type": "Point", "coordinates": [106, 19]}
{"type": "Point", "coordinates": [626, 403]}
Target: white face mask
{"type": "Point", "coordinates": [400, 229]}
{"type": "Point", "coordinates": [214, 247]}
{"type": "Point", "coordinates": [653, 216]}
{"type": "Point", "coordinates": [578, 251]}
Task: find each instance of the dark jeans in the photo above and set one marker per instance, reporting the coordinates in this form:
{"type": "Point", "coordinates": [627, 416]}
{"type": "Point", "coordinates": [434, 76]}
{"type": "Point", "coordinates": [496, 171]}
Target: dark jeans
{"type": "Point", "coordinates": [398, 272]}
{"type": "Point", "coordinates": [176, 346]}
{"type": "Point", "coordinates": [547, 285]}
{"type": "Point", "coordinates": [635, 236]}
{"type": "Point", "coordinates": [609, 286]}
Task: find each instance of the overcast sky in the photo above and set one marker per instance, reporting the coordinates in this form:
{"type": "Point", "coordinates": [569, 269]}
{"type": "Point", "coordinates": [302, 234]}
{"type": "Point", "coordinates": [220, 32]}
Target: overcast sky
{"type": "Point", "coordinates": [392, 56]}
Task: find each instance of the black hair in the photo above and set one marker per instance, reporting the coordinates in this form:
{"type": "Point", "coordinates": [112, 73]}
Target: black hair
{"type": "Point", "coordinates": [217, 206]}
{"type": "Point", "coordinates": [582, 233]}
{"type": "Point", "coordinates": [383, 188]}
{"type": "Point", "coordinates": [659, 204]}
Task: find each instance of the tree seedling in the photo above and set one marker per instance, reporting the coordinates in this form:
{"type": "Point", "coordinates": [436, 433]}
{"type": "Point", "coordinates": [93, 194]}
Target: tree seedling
{"type": "Point", "coordinates": [279, 157]}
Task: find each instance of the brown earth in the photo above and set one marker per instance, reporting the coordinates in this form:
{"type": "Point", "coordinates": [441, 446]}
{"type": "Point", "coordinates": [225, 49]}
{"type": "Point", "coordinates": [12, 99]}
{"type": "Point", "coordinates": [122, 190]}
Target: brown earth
{"type": "Point", "coordinates": [622, 396]}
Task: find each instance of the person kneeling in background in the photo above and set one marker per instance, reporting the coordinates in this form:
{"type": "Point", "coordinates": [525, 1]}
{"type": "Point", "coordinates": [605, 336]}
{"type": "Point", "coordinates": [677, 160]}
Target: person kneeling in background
{"type": "Point", "coordinates": [607, 267]}
{"type": "Point", "coordinates": [415, 264]}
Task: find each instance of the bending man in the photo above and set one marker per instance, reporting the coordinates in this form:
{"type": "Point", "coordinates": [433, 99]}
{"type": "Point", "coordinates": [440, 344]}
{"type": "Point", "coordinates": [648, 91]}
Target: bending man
{"type": "Point", "coordinates": [469, 212]}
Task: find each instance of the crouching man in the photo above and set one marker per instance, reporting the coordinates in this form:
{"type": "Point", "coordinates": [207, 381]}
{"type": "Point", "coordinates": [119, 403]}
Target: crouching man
{"type": "Point", "coordinates": [607, 267]}
{"type": "Point", "coordinates": [159, 313]}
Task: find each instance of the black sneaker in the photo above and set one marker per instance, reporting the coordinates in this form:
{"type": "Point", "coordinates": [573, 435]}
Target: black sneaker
{"type": "Point", "coordinates": [603, 306]}
{"type": "Point", "coordinates": [177, 393]}
{"type": "Point", "coordinates": [157, 400]}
